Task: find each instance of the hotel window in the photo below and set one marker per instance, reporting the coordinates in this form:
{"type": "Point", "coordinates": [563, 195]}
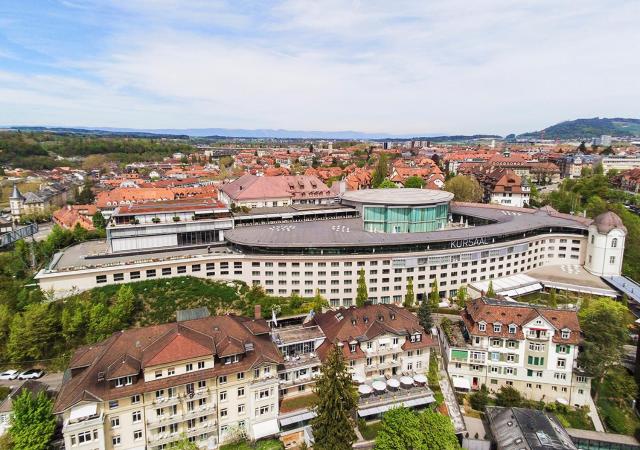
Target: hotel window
{"type": "Point", "coordinates": [171, 371]}
{"type": "Point", "coordinates": [614, 242]}
{"type": "Point", "coordinates": [200, 365]}
{"type": "Point", "coordinates": [115, 440]}
{"type": "Point", "coordinates": [136, 416]}
{"type": "Point", "coordinates": [135, 399]}
{"type": "Point", "coordinates": [182, 269]}
{"type": "Point", "coordinates": [151, 273]}
{"type": "Point", "coordinates": [101, 279]}
{"type": "Point", "coordinates": [612, 259]}
{"type": "Point", "coordinates": [158, 374]}
{"type": "Point", "coordinates": [195, 267]}
{"type": "Point", "coordinates": [222, 379]}
{"type": "Point", "coordinates": [188, 367]}
{"type": "Point", "coordinates": [118, 277]}
{"type": "Point", "coordinates": [134, 275]}
{"type": "Point", "coordinates": [166, 271]}
{"type": "Point", "coordinates": [115, 422]}
{"type": "Point", "coordinates": [562, 363]}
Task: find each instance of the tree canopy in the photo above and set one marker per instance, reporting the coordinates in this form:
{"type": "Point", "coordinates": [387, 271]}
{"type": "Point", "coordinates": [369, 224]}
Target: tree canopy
{"type": "Point", "coordinates": [335, 405]}
{"type": "Point", "coordinates": [414, 182]}
{"type": "Point", "coordinates": [464, 188]}
{"type": "Point", "coordinates": [381, 171]}
{"type": "Point", "coordinates": [604, 324]}
{"type": "Point", "coordinates": [362, 294]}
{"type": "Point", "coordinates": [32, 422]}
{"type": "Point", "coordinates": [387, 184]}
{"type": "Point", "coordinates": [424, 315]}
{"type": "Point", "coordinates": [403, 429]}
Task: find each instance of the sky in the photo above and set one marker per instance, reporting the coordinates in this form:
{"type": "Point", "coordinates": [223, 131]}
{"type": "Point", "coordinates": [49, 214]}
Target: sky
{"type": "Point", "coordinates": [399, 67]}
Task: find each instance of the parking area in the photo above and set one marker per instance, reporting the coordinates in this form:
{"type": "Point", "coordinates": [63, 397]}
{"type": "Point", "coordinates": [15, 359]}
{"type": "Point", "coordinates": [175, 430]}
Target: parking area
{"type": "Point", "coordinates": [54, 380]}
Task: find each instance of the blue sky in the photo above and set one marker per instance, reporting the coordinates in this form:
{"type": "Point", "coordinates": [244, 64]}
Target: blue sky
{"type": "Point", "coordinates": [485, 66]}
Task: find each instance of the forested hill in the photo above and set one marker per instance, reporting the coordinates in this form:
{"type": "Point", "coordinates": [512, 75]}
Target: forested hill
{"type": "Point", "coordinates": [588, 128]}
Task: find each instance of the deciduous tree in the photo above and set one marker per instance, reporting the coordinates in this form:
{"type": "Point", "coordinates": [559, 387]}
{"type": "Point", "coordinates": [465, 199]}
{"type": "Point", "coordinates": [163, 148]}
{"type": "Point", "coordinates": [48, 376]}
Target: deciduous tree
{"type": "Point", "coordinates": [604, 324]}
{"type": "Point", "coordinates": [464, 188]}
{"type": "Point", "coordinates": [403, 429]}
{"type": "Point", "coordinates": [414, 182]}
{"type": "Point", "coordinates": [32, 422]}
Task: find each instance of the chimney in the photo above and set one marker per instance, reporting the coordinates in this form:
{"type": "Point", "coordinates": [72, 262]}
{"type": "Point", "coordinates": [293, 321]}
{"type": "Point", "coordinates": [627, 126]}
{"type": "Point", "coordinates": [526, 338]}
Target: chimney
{"type": "Point", "coordinates": [257, 312]}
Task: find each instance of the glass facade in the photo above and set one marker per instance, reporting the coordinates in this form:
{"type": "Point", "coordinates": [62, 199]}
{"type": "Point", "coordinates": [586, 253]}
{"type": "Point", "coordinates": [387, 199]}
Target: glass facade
{"type": "Point", "coordinates": [383, 219]}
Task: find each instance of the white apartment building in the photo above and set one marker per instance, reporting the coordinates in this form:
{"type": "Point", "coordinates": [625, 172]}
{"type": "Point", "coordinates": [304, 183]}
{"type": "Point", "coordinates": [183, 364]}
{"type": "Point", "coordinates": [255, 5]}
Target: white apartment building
{"type": "Point", "coordinates": [533, 349]}
{"type": "Point", "coordinates": [204, 379]}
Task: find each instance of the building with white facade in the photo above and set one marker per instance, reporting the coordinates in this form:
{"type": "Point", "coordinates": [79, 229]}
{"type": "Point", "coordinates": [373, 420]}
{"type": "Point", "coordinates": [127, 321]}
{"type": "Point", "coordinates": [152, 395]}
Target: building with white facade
{"type": "Point", "coordinates": [206, 379]}
{"type": "Point", "coordinates": [401, 234]}
{"type": "Point", "coordinates": [530, 348]}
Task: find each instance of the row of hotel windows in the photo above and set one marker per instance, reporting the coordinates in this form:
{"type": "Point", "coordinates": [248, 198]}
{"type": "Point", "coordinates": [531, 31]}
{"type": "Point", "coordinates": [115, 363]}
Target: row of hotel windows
{"type": "Point", "coordinates": [238, 265]}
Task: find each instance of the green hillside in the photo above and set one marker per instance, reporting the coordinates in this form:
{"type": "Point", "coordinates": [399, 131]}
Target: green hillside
{"type": "Point", "coordinates": [588, 128]}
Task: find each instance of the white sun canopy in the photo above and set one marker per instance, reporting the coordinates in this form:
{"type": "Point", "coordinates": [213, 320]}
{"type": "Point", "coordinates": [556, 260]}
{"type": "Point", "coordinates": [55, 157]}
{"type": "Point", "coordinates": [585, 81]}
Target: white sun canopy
{"type": "Point", "coordinates": [264, 429]}
{"type": "Point", "coordinates": [82, 411]}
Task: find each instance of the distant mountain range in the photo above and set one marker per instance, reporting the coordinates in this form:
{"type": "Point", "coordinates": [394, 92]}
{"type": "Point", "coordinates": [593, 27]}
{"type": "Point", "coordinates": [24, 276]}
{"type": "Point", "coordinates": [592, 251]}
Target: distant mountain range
{"type": "Point", "coordinates": [572, 129]}
{"type": "Point", "coordinates": [587, 129]}
{"type": "Point", "coordinates": [222, 133]}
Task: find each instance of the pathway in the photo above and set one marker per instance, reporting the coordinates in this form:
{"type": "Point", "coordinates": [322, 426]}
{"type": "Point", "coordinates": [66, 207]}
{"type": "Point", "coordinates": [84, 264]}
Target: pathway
{"type": "Point", "coordinates": [593, 414]}
{"type": "Point", "coordinates": [451, 402]}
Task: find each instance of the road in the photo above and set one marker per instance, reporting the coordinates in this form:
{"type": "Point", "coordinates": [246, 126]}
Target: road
{"type": "Point", "coordinates": [43, 231]}
{"type": "Point", "coordinates": [54, 380]}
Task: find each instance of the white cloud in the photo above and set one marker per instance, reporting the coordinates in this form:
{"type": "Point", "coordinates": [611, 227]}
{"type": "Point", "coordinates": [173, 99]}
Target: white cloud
{"type": "Point", "coordinates": [402, 67]}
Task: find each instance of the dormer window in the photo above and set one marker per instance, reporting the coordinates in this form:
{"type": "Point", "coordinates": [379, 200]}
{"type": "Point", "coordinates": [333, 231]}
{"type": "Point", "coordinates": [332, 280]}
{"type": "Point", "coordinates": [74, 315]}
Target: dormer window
{"type": "Point", "coordinates": [124, 381]}
{"type": "Point", "coordinates": [565, 334]}
{"type": "Point", "coordinates": [497, 327]}
{"type": "Point", "coordinates": [352, 347]}
{"type": "Point", "coordinates": [482, 326]}
{"type": "Point", "coordinates": [512, 329]}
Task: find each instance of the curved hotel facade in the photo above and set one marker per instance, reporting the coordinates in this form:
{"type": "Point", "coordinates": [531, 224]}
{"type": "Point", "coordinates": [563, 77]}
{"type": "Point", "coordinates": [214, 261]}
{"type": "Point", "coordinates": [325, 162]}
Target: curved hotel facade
{"type": "Point", "coordinates": [393, 234]}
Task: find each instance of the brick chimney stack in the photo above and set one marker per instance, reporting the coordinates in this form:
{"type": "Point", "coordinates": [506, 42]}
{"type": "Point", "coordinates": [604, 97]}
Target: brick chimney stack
{"type": "Point", "coordinates": [257, 311]}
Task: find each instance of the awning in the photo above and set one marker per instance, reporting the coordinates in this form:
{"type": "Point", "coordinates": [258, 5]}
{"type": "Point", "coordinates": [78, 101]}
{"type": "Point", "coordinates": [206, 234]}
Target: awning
{"type": "Point", "coordinates": [419, 401]}
{"type": "Point", "coordinates": [297, 418]}
{"type": "Point", "coordinates": [562, 401]}
{"type": "Point", "coordinates": [264, 429]}
{"type": "Point", "coordinates": [461, 383]}
{"type": "Point", "coordinates": [82, 411]}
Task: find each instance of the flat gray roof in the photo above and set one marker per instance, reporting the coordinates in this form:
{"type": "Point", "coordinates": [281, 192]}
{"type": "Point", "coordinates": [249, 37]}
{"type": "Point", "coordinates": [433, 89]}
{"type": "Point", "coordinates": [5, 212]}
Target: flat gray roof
{"type": "Point", "coordinates": [397, 197]}
{"type": "Point", "coordinates": [350, 232]}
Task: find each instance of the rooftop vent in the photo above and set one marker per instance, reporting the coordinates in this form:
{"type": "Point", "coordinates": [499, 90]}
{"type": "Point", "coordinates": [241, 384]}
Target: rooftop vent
{"type": "Point", "coordinates": [339, 317]}
{"type": "Point", "coordinates": [248, 346]}
{"type": "Point", "coordinates": [100, 376]}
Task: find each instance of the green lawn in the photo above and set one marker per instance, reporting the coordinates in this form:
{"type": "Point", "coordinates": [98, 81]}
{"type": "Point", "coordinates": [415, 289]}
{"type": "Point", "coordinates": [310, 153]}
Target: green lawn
{"type": "Point", "coordinates": [574, 418]}
{"type": "Point", "coordinates": [292, 404]}
{"type": "Point", "coordinates": [266, 444]}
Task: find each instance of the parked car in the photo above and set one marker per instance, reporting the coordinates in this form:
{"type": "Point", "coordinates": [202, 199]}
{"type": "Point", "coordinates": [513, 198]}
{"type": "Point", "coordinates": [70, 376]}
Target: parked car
{"type": "Point", "coordinates": [31, 374]}
{"type": "Point", "coordinates": [9, 375]}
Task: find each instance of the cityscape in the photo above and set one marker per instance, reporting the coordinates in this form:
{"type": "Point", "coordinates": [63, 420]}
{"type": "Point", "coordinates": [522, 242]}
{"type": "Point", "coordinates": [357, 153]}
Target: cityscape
{"type": "Point", "coordinates": [230, 227]}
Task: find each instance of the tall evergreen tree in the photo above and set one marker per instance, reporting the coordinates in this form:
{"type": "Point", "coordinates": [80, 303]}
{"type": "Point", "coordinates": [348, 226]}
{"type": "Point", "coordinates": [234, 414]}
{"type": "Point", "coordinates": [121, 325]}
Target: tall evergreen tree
{"type": "Point", "coordinates": [434, 296]}
{"type": "Point", "coordinates": [362, 294]}
{"type": "Point", "coordinates": [462, 296]}
{"type": "Point", "coordinates": [381, 171]}
{"type": "Point", "coordinates": [333, 427]}
{"type": "Point", "coordinates": [32, 422]}
{"type": "Point", "coordinates": [491, 293]}
{"type": "Point", "coordinates": [424, 315]}
{"type": "Point", "coordinates": [409, 297]}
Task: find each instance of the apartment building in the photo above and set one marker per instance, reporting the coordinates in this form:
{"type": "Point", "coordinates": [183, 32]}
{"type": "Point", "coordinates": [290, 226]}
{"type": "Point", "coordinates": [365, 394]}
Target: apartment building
{"type": "Point", "coordinates": [378, 340]}
{"type": "Point", "coordinates": [208, 378]}
{"type": "Point", "coordinates": [533, 349]}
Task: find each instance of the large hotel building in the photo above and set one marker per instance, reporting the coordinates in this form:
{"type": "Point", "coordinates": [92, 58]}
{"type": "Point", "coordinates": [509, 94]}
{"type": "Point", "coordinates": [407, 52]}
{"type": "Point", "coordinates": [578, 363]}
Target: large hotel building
{"type": "Point", "coordinates": [392, 234]}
